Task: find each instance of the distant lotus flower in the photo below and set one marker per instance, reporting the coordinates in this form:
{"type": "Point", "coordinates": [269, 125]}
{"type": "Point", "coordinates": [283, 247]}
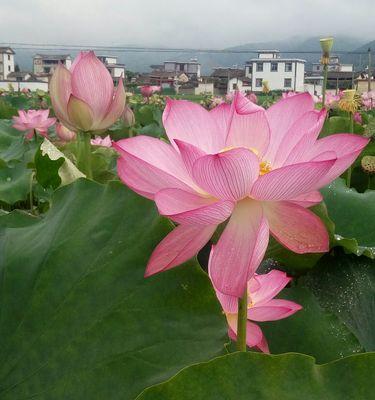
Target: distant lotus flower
{"type": "Point", "coordinates": [332, 100]}
{"type": "Point", "coordinates": [368, 100]}
{"type": "Point", "coordinates": [128, 116]}
{"type": "Point", "coordinates": [357, 117]}
{"type": "Point", "coordinates": [65, 134]}
{"type": "Point", "coordinates": [104, 142]}
{"type": "Point", "coordinates": [148, 91]}
{"type": "Point", "coordinates": [262, 306]}
{"type": "Point", "coordinates": [33, 121]}
{"type": "Point", "coordinates": [84, 97]}
{"type": "Point", "coordinates": [229, 97]}
{"type": "Point", "coordinates": [25, 90]}
{"type": "Point", "coordinates": [252, 97]}
{"type": "Point", "coordinates": [261, 168]}
{"type": "Point", "coordinates": [288, 94]}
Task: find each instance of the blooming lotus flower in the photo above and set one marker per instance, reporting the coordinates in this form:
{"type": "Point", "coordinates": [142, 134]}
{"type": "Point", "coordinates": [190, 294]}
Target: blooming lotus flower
{"type": "Point", "coordinates": [33, 121]}
{"type": "Point", "coordinates": [104, 142]}
{"type": "Point", "coordinates": [331, 100]}
{"type": "Point", "coordinates": [65, 134]}
{"type": "Point", "coordinates": [368, 100]}
{"type": "Point", "coordinates": [148, 91]}
{"type": "Point", "coordinates": [259, 168]}
{"type": "Point", "coordinates": [261, 290]}
{"type": "Point", "coordinates": [84, 98]}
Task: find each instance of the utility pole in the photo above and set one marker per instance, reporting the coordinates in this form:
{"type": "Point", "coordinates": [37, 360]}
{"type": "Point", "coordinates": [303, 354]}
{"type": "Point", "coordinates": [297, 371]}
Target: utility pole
{"type": "Point", "coordinates": [369, 70]}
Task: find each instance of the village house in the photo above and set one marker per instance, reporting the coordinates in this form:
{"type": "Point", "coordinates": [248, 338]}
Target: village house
{"type": "Point", "coordinates": [227, 80]}
{"type": "Point", "coordinates": [286, 74]}
{"type": "Point", "coordinates": [6, 62]}
{"type": "Point", "coordinates": [192, 68]}
{"type": "Point", "coordinates": [45, 64]}
{"type": "Point", "coordinates": [115, 69]}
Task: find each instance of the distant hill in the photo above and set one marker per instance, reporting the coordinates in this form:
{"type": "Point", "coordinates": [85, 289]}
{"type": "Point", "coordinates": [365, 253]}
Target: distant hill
{"type": "Point", "coordinates": [141, 62]}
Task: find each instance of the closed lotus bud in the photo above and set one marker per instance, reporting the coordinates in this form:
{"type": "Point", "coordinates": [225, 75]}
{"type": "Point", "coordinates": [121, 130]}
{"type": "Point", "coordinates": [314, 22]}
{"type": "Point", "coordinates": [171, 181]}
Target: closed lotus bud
{"type": "Point", "coordinates": [326, 45]}
{"type": "Point", "coordinates": [368, 164]}
{"type": "Point", "coordinates": [128, 116]}
{"type": "Point", "coordinates": [84, 97]}
{"type": "Point", "coordinates": [357, 118]}
{"type": "Point", "coordinates": [65, 134]}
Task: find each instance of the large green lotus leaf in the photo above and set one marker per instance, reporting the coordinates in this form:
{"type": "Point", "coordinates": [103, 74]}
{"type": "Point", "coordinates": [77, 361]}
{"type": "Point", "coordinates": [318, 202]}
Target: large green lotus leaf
{"type": "Point", "coordinates": [78, 320]}
{"type": "Point", "coordinates": [345, 286]}
{"type": "Point", "coordinates": [14, 183]}
{"type": "Point", "coordinates": [354, 216]}
{"type": "Point", "coordinates": [12, 144]}
{"type": "Point", "coordinates": [255, 376]}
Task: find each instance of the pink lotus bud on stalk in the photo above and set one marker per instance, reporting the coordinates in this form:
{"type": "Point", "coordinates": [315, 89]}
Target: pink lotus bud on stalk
{"type": "Point", "coordinates": [128, 116]}
{"type": "Point", "coordinates": [84, 99]}
{"type": "Point", "coordinates": [357, 118]}
{"type": "Point", "coordinates": [260, 307]}
{"type": "Point", "coordinates": [147, 91]}
{"type": "Point", "coordinates": [241, 163]}
{"type": "Point", "coordinates": [33, 122]}
{"type": "Point", "coordinates": [65, 134]}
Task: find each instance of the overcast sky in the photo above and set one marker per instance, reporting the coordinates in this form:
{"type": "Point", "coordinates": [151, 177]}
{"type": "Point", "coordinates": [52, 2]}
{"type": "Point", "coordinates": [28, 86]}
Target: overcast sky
{"type": "Point", "coordinates": [176, 23]}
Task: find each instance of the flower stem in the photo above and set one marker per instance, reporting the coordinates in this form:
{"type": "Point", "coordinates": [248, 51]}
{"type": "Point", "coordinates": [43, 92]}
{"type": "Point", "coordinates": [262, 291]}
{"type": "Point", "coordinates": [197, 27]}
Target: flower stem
{"type": "Point", "coordinates": [241, 322]}
{"type": "Point", "coordinates": [84, 154]}
{"type": "Point", "coordinates": [31, 197]}
{"type": "Point", "coordinates": [325, 75]}
{"type": "Point", "coordinates": [349, 171]}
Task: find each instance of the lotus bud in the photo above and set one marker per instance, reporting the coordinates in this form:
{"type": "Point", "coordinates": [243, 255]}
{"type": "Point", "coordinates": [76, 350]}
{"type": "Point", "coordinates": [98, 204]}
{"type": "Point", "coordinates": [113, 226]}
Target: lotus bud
{"type": "Point", "coordinates": [368, 164]}
{"type": "Point", "coordinates": [128, 116]}
{"type": "Point", "coordinates": [357, 118]}
{"type": "Point", "coordinates": [326, 45]}
{"type": "Point", "coordinates": [65, 134]}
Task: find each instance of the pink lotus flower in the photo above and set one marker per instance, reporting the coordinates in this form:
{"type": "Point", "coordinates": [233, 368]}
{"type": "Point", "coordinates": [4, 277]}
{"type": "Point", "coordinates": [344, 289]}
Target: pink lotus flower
{"type": "Point", "coordinates": [368, 100]}
{"type": "Point", "coordinates": [33, 121]}
{"type": "Point", "coordinates": [83, 97]}
{"type": "Point", "coordinates": [262, 306]}
{"type": "Point", "coordinates": [357, 117]}
{"type": "Point", "coordinates": [288, 94]}
{"type": "Point", "coordinates": [148, 91]}
{"type": "Point", "coordinates": [331, 100]}
{"type": "Point", "coordinates": [261, 168]}
{"type": "Point", "coordinates": [229, 97]}
{"type": "Point", "coordinates": [252, 97]}
{"type": "Point", "coordinates": [65, 134]}
{"type": "Point", "coordinates": [104, 142]}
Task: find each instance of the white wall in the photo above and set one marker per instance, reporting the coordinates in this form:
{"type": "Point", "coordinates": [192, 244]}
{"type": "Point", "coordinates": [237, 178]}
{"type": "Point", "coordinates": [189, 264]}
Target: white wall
{"type": "Point", "coordinates": [276, 79]}
{"type": "Point", "coordinates": [8, 64]}
{"type": "Point", "coordinates": [311, 88]}
{"type": "Point", "coordinates": [240, 86]}
{"type": "Point", "coordinates": [204, 88]}
{"type": "Point", "coordinates": [18, 86]}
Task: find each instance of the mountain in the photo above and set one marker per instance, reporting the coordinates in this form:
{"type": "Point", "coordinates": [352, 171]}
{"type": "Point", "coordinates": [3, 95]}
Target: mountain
{"type": "Point", "coordinates": [141, 61]}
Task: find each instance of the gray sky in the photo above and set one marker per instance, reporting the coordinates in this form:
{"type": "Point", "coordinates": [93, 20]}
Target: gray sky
{"type": "Point", "coordinates": [176, 23]}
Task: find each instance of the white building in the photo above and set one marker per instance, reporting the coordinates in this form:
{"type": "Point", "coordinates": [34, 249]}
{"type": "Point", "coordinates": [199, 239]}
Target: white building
{"type": "Point", "coordinates": [45, 64]}
{"type": "Point", "coordinates": [334, 65]}
{"type": "Point", "coordinates": [281, 73]}
{"type": "Point", "coordinates": [190, 68]}
{"type": "Point", "coordinates": [314, 85]}
{"type": "Point", "coordinates": [6, 62]}
{"type": "Point", "coordinates": [242, 84]}
{"type": "Point", "coordinates": [116, 70]}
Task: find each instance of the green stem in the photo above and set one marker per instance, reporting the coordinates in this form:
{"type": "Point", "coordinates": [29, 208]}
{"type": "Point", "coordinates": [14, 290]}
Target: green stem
{"type": "Point", "coordinates": [84, 154]}
{"type": "Point", "coordinates": [241, 322]}
{"type": "Point", "coordinates": [349, 171]}
{"type": "Point", "coordinates": [325, 76]}
{"type": "Point", "coordinates": [31, 197]}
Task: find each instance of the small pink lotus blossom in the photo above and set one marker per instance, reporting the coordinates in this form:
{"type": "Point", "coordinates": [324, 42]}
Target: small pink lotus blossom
{"type": "Point", "coordinates": [104, 142]}
{"type": "Point", "coordinates": [261, 169]}
{"type": "Point", "coordinates": [261, 290]}
{"type": "Point", "coordinates": [65, 134]}
{"type": "Point", "coordinates": [368, 100]}
{"type": "Point", "coordinates": [357, 117]}
{"type": "Point", "coordinates": [331, 100]}
{"type": "Point", "coordinates": [148, 91]}
{"type": "Point", "coordinates": [252, 97]}
{"type": "Point", "coordinates": [84, 97]}
{"type": "Point", "coordinates": [33, 121]}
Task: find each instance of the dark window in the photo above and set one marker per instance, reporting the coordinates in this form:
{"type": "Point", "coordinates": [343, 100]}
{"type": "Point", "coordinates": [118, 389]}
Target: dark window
{"type": "Point", "coordinates": [259, 67]}
{"type": "Point", "coordinates": [288, 67]}
{"type": "Point", "coordinates": [274, 66]}
{"type": "Point", "coordinates": [287, 82]}
{"type": "Point", "coordinates": [8, 57]}
{"type": "Point", "coordinates": [258, 82]}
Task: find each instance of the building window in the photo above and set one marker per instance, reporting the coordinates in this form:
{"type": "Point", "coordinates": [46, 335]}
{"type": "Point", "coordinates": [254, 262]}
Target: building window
{"type": "Point", "coordinates": [274, 66]}
{"type": "Point", "coordinates": [259, 67]}
{"type": "Point", "coordinates": [258, 82]}
{"type": "Point", "coordinates": [9, 68]}
{"type": "Point", "coordinates": [8, 57]}
{"type": "Point", "coordinates": [287, 83]}
{"type": "Point", "coordinates": [318, 67]}
{"type": "Point", "coordinates": [288, 67]}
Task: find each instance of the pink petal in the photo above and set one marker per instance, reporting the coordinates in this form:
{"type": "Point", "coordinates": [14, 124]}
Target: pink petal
{"type": "Point", "coordinates": [283, 114]}
{"type": "Point", "coordinates": [274, 310]}
{"type": "Point", "coordinates": [300, 138]}
{"type": "Point", "coordinates": [188, 208]}
{"type": "Point", "coordinates": [80, 114]}
{"type": "Point", "coordinates": [148, 165]}
{"type": "Point", "coordinates": [193, 124]}
{"type": "Point", "coordinates": [189, 154]}
{"type": "Point", "coordinates": [288, 182]}
{"type": "Point", "coordinates": [79, 57]}
{"type": "Point", "coordinates": [269, 285]}
{"type": "Point", "coordinates": [222, 115]}
{"type": "Point", "coordinates": [115, 108]}
{"type": "Point", "coordinates": [254, 335]}
{"type": "Point", "coordinates": [240, 249]}
{"type": "Point", "coordinates": [180, 245]}
{"type": "Point", "coordinates": [347, 148]}
{"type": "Point", "coordinates": [297, 228]}
{"type": "Point", "coordinates": [308, 199]}
{"type": "Point", "coordinates": [60, 88]}
{"type": "Point", "coordinates": [92, 83]}
{"type": "Point", "coordinates": [228, 175]}
{"type": "Point", "coordinates": [243, 105]}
